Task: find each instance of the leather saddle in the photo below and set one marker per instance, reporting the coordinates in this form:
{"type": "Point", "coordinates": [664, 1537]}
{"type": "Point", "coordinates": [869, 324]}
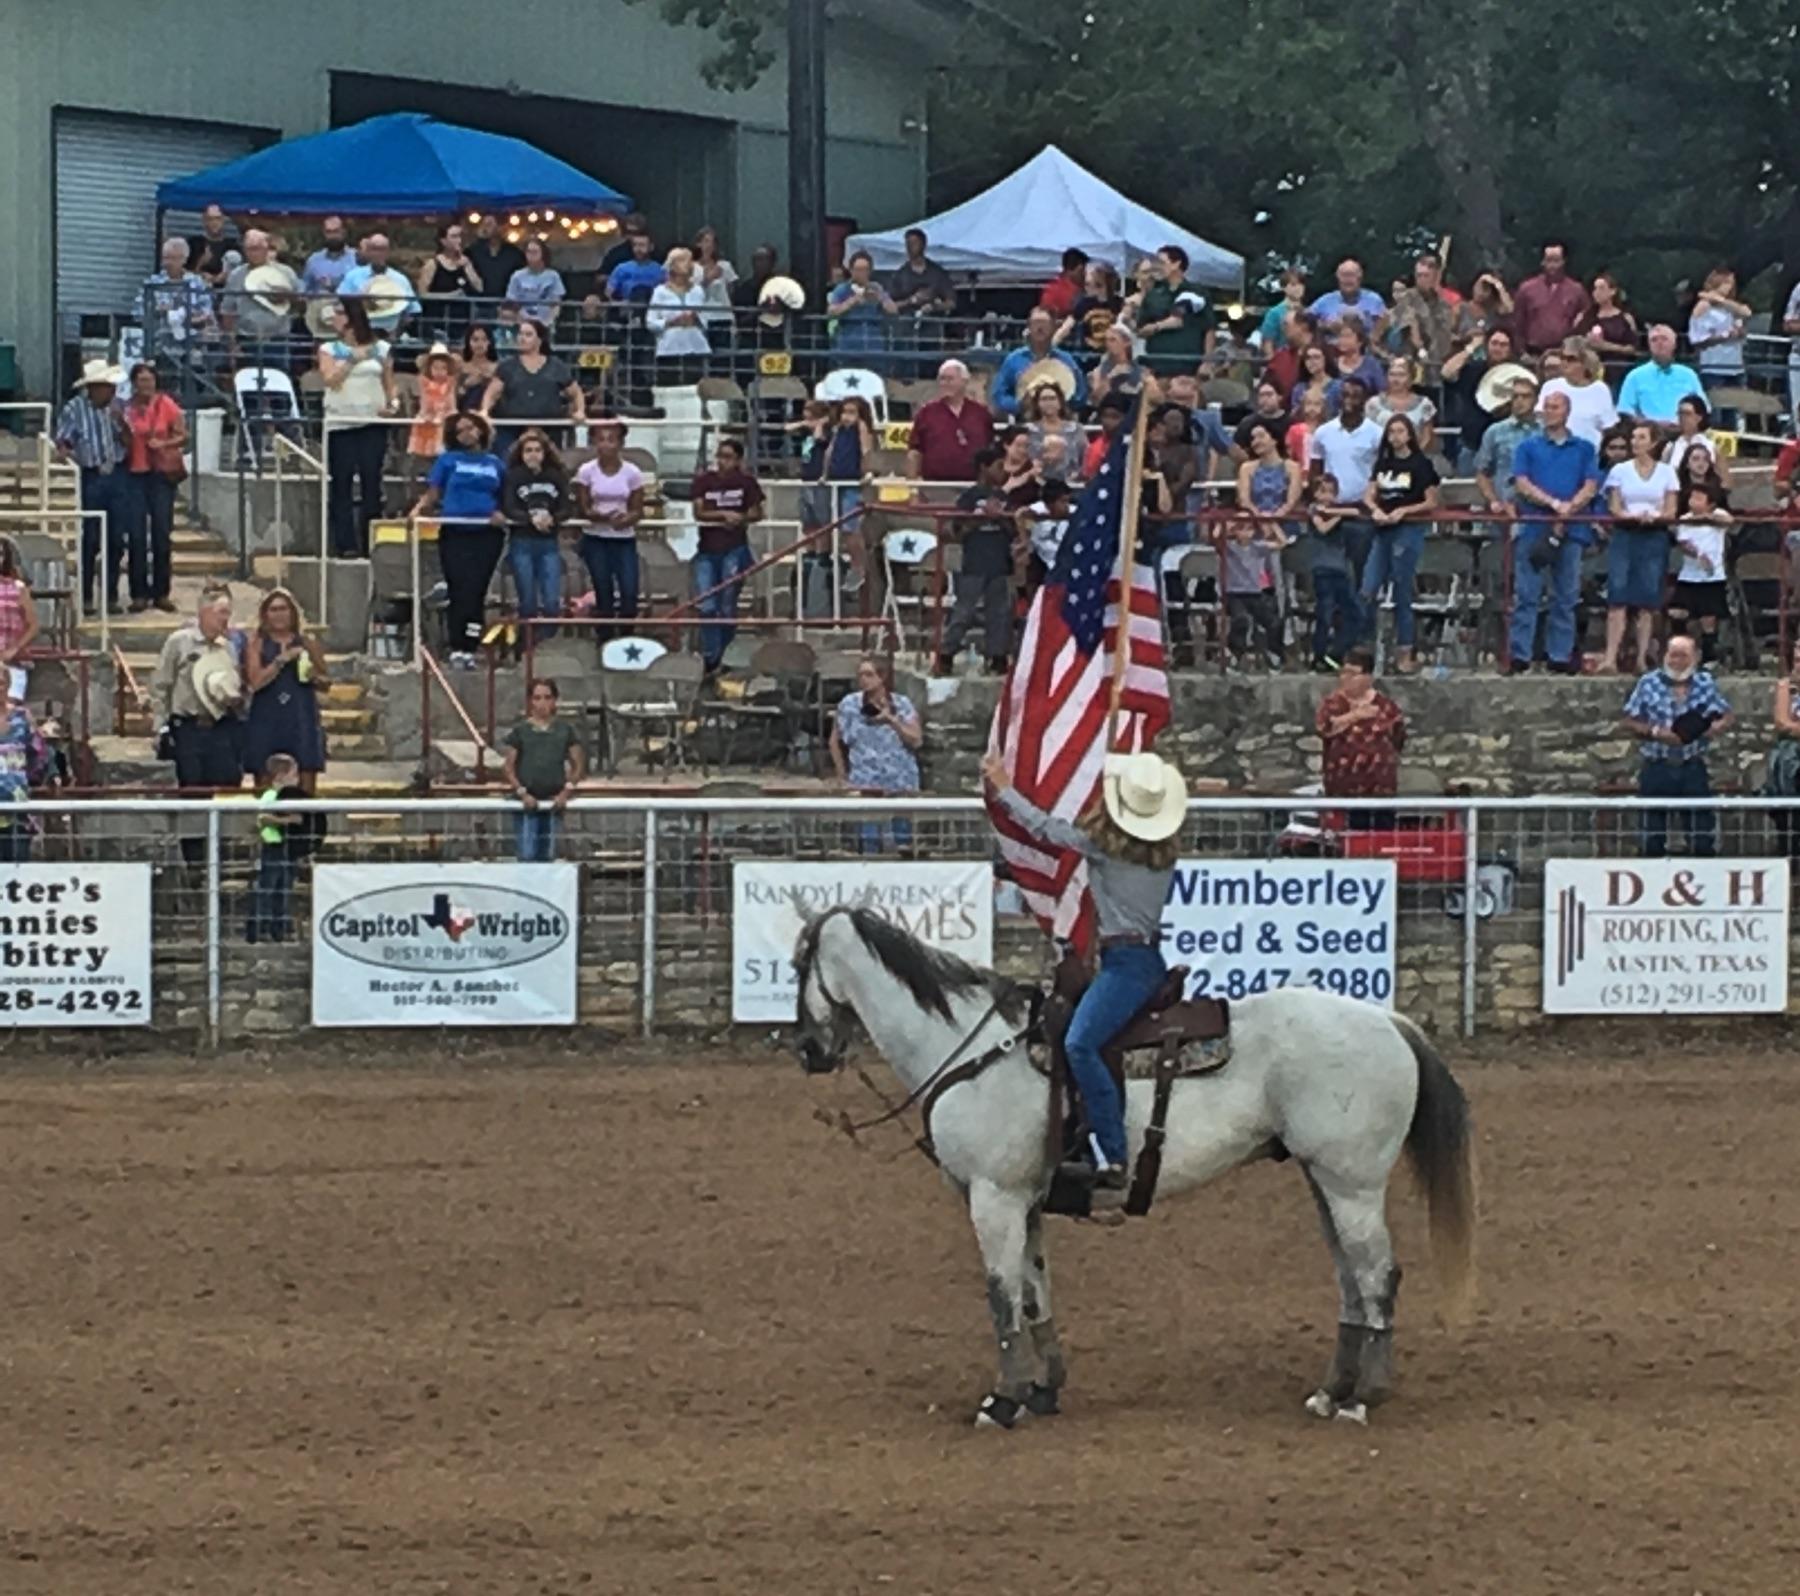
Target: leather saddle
{"type": "Point", "coordinates": [1164, 1024]}
{"type": "Point", "coordinates": [1178, 1037]}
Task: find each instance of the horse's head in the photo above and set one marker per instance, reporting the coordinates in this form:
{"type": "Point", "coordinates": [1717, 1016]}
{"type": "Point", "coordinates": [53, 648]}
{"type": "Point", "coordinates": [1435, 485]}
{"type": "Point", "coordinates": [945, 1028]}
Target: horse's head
{"type": "Point", "coordinates": [824, 1025]}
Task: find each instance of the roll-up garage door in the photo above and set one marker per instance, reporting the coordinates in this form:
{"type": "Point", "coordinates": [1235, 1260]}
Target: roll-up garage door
{"type": "Point", "coordinates": [107, 170]}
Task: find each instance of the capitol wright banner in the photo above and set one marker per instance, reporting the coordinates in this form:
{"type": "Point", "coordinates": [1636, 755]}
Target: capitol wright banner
{"type": "Point", "coordinates": [462, 944]}
{"type": "Point", "coordinates": [949, 905]}
{"type": "Point", "coordinates": [74, 944]}
{"type": "Point", "coordinates": [1665, 936]}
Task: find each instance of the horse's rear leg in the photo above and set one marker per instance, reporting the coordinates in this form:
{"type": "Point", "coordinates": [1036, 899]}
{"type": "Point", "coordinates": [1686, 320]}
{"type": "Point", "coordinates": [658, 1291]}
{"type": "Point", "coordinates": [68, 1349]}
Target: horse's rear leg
{"type": "Point", "coordinates": [1041, 1319]}
{"type": "Point", "coordinates": [1002, 1220]}
{"type": "Point", "coordinates": [1362, 1365]}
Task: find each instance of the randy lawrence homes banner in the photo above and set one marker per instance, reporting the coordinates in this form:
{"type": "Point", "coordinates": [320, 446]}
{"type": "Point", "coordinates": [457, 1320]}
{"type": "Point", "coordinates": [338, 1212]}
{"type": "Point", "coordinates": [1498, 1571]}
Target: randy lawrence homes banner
{"type": "Point", "coordinates": [1665, 936]}
{"type": "Point", "coordinates": [950, 906]}
{"type": "Point", "coordinates": [1248, 926]}
{"type": "Point", "coordinates": [464, 944]}
{"type": "Point", "coordinates": [74, 944]}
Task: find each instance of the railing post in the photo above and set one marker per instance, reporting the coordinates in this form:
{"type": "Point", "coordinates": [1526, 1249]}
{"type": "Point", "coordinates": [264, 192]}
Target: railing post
{"type": "Point", "coordinates": [1470, 918]}
{"type": "Point", "coordinates": [648, 953]}
{"type": "Point", "coordinates": [214, 873]}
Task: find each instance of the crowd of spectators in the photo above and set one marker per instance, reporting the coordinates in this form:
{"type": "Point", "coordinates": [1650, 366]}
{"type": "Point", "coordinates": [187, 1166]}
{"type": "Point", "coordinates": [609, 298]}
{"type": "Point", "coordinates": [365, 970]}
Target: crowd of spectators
{"type": "Point", "coordinates": [1356, 409]}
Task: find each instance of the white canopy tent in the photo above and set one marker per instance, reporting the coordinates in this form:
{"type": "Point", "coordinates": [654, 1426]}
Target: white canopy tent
{"type": "Point", "coordinates": [1017, 230]}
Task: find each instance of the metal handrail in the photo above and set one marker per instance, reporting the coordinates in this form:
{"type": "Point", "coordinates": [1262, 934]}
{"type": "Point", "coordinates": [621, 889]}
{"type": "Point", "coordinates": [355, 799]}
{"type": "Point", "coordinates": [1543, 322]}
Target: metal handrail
{"type": "Point", "coordinates": [428, 669]}
{"type": "Point", "coordinates": [127, 679]}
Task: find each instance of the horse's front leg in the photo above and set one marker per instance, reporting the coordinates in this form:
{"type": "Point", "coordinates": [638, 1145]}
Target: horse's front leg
{"type": "Point", "coordinates": [1001, 1220]}
{"type": "Point", "coordinates": [1040, 1319]}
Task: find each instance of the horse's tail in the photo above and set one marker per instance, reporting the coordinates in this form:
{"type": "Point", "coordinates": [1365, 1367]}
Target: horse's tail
{"type": "Point", "coordinates": [1442, 1154]}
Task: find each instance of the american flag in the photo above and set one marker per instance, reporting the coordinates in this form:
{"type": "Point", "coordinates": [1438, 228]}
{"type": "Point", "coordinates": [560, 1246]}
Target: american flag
{"type": "Point", "coordinates": [1050, 727]}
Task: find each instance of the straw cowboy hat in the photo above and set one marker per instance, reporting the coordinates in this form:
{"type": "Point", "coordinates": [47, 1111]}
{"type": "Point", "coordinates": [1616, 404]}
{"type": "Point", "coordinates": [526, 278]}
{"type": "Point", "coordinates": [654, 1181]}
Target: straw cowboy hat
{"type": "Point", "coordinates": [270, 286]}
{"type": "Point", "coordinates": [386, 295]}
{"type": "Point", "coordinates": [1494, 392]}
{"type": "Point", "coordinates": [1145, 795]}
{"type": "Point", "coordinates": [1047, 373]}
{"type": "Point", "coordinates": [217, 682]}
{"type": "Point", "coordinates": [98, 371]}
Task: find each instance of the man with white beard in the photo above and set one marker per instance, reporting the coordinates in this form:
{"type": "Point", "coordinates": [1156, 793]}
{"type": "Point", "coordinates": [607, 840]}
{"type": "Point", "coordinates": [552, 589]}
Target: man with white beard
{"type": "Point", "coordinates": [1676, 710]}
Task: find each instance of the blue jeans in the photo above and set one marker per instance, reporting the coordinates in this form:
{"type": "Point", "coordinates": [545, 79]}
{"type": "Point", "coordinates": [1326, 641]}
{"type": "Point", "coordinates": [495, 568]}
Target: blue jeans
{"type": "Point", "coordinates": [1393, 557]}
{"type": "Point", "coordinates": [272, 897]}
{"type": "Point", "coordinates": [109, 491]}
{"type": "Point", "coordinates": [875, 836]}
{"type": "Point", "coordinates": [709, 571]}
{"type": "Point", "coordinates": [1336, 615]}
{"type": "Point", "coordinates": [1668, 778]}
{"type": "Point", "coordinates": [1564, 573]}
{"type": "Point", "coordinates": [613, 564]}
{"type": "Point", "coordinates": [1357, 536]}
{"type": "Point", "coordinates": [536, 561]}
{"type": "Point", "coordinates": [1128, 979]}
{"type": "Point", "coordinates": [536, 832]}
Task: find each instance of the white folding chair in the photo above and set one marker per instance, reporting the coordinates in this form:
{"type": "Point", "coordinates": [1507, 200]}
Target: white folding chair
{"type": "Point", "coordinates": [856, 382]}
{"type": "Point", "coordinates": [264, 395]}
{"type": "Point", "coordinates": [630, 653]}
{"type": "Point", "coordinates": [906, 552]}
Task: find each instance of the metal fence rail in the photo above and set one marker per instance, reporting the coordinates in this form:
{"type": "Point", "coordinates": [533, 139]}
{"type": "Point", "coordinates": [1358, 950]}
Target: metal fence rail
{"type": "Point", "coordinates": [656, 883]}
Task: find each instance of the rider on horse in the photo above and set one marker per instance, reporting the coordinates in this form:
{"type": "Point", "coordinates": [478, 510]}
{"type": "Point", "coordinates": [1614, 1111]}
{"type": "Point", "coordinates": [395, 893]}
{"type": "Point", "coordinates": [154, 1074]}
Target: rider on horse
{"type": "Point", "coordinates": [1130, 838]}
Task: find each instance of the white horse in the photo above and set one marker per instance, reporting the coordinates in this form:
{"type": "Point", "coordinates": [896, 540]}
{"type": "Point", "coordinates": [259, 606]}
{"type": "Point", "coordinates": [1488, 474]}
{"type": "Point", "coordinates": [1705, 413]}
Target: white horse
{"type": "Point", "coordinates": [1340, 1085]}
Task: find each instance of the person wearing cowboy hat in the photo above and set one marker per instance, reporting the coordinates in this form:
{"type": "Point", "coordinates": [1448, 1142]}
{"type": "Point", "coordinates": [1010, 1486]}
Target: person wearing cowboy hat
{"type": "Point", "coordinates": [1130, 838]}
{"type": "Point", "coordinates": [92, 434]}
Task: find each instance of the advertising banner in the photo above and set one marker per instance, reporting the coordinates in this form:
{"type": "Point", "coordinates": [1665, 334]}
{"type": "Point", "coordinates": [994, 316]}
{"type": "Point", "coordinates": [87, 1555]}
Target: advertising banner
{"type": "Point", "coordinates": [950, 906]}
{"type": "Point", "coordinates": [1665, 936]}
{"type": "Point", "coordinates": [1257, 925]}
{"type": "Point", "coordinates": [74, 944]}
{"type": "Point", "coordinates": [453, 944]}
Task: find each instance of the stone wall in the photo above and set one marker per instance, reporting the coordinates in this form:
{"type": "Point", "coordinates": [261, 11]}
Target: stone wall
{"type": "Point", "coordinates": [1510, 737]}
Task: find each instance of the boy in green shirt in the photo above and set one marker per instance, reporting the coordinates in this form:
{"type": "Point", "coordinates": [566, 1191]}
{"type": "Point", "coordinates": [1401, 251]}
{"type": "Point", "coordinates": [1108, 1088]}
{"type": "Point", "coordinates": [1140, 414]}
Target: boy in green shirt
{"type": "Point", "coordinates": [271, 900]}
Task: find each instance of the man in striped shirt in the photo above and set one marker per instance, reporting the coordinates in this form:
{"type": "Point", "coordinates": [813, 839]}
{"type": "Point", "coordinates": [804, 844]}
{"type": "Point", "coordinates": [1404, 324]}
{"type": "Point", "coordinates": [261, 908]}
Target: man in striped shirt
{"type": "Point", "coordinates": [92, 435]}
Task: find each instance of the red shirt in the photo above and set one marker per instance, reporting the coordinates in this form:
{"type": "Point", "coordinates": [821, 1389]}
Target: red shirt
{"type": "Point", "coordinates": [1786, 463]}
{"type": "Point", "coordinates": [726, 490]}
{"type": "Point", "coordinates": [1059, 296]}
{"type": "Point", "coordinates": [948, 440]}
{"type": "Point", "coordinates": [1283, 369]}
{"type": "Point", "coordinates": [1363, 760]}
{"type": "Point", "coordinates": [1545, 312]}
{"type": "Point", "coordinates": [158, 419]}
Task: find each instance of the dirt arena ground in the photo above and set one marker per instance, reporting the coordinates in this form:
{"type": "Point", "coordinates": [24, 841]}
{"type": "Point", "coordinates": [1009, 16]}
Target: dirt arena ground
{"type": "Point", "coordinates": [658, 1329]}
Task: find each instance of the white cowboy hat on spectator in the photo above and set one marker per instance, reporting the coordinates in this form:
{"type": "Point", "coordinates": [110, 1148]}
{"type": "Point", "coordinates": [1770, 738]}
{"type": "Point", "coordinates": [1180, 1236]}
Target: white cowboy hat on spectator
{"type": "Point", "coordinates": [270, 285]}
{"type": "Point", "coordinates": [217, 682]}
{"type": "Point", "coordinates": [387, 294]}
{"type": "Point", "coordinates": [99, 371]}
{"type": "Point", "coordinates": [1494, 392]}
{"type": "Point", "coordinates": [1145, 795]}
{"type": "Point", "coordinates": [321, 318]}
{"type": "Point", "coordinates": [779, 295]}
{"type": "Point", "coordinates": [1047, 373]}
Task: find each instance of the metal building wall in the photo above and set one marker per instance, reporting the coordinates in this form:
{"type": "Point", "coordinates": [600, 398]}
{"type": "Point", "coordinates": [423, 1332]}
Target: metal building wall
{"type": "Point", "coordinates": [271, 66]}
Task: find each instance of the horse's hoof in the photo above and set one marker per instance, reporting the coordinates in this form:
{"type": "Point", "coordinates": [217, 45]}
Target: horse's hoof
{"type": "Point", "coordinates": [1352, 1413]}
{"type": "Point", "coordinates": [998, 1412]}
{"type": "Point", "coordinates": [1042, 1401]}
{"type": "Point", "coordinates": [1320, 1405]}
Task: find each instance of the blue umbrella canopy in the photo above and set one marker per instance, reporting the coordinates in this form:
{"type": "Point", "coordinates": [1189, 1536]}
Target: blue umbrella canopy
{"type": "Point", "coordinates": [403, 164]}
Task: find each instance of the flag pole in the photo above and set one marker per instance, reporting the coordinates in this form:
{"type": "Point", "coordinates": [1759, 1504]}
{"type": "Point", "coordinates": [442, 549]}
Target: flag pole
{"type": "Point", "coordinates": [1128, 533]}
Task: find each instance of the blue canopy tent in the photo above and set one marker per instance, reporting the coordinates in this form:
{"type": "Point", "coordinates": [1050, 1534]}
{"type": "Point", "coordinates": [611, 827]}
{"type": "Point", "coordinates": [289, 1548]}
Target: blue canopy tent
{"type": "Point", "coordinates": [404, 164]}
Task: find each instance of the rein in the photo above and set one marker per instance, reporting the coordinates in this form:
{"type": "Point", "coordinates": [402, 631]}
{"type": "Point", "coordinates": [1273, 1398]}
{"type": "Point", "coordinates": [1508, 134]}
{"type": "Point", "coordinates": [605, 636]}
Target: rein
{"type": "Point", "coordinates": [924, 1088]}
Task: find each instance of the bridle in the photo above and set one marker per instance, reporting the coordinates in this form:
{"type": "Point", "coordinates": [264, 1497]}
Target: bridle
{"type": "Point", "coordinates": [947, 1075]}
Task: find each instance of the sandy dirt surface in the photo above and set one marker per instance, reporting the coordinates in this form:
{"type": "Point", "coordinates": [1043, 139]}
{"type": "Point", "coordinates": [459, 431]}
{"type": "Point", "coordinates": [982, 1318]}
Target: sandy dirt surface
{"type": "Point", "coordinates": [659, 1329]}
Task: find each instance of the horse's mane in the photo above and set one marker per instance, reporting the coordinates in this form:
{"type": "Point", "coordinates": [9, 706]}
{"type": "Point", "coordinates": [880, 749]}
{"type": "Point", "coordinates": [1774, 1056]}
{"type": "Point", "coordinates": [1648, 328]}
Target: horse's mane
{"type": "Point", "coordinates": [932, 976]}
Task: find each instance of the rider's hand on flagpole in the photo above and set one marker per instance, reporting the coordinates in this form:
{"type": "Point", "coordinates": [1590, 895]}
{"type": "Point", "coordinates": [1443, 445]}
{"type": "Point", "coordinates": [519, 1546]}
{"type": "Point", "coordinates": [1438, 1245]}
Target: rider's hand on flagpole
{"type": "Point", "coordinates": [993, 772]}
